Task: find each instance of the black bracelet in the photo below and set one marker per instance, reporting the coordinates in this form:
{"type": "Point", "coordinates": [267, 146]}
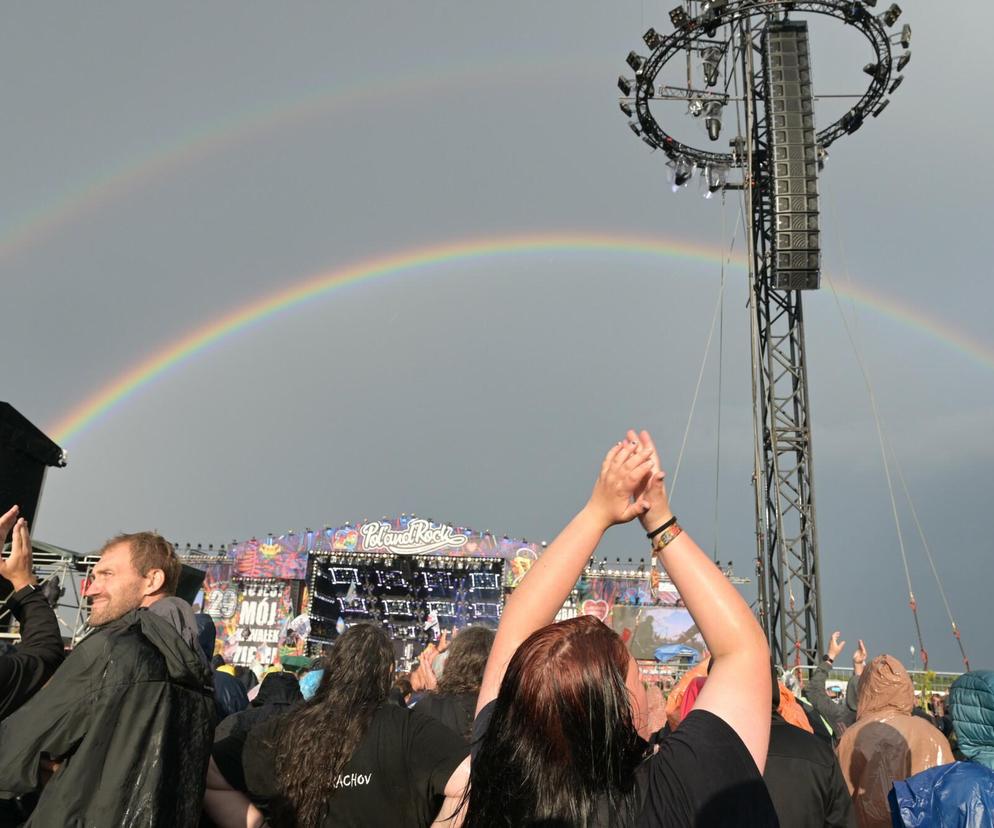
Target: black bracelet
{"type": "Point", "coordinates": [663, 528]}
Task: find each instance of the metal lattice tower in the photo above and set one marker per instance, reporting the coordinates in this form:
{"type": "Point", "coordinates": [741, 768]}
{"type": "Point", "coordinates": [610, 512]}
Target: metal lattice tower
{"type": "Point", "coordinates": [756, 55]}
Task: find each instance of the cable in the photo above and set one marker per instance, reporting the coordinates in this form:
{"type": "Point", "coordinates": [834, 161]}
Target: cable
{"type": "Point", "coordinates": [721, 354]}
{"type": "Point", "coordinates": [864, 370]}
{"type": "Point", "coordinates": [700, 374]}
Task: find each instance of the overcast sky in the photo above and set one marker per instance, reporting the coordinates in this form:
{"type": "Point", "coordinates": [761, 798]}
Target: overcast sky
{"type": "Point", "coordinates": [165, 164]}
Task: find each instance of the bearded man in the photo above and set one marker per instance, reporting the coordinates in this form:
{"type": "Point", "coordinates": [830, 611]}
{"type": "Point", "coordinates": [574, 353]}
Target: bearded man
{"type": "Point", "coordinates": [121, 735]}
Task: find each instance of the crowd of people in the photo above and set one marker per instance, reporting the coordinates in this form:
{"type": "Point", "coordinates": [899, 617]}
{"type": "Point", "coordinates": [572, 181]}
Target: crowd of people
{"type": "Point", "coordinates": [539, 723]}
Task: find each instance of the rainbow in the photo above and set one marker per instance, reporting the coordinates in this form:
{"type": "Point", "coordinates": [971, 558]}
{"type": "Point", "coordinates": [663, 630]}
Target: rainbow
{"type": "Point", "coordinates": [412, 261]}
{"type": "Point", "coordinates": [105, 186]}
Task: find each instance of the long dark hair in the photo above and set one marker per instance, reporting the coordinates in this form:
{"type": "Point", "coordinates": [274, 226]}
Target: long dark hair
{"type": "Point", "coordinates": [561, 739]}
{"type": "Point", "coordinates": [463, 672]}
{"type": "Point", "coordinates": [316, 741]}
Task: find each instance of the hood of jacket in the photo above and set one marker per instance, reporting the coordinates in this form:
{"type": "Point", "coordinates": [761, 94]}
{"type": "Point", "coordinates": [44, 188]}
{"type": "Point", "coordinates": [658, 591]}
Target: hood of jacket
{"type": "Point", "coordinates": [971, 701]}
{"type": "Point", "coordinates": [206, 633]}
{"type": "Point", "coordinates": [180, 614]}
{"type": "Point", "coordinates": [885, 689]}
{"type": "Point", "coordinates": [278, 688]}
{"type": "Point", "coordinates": [184, 664]}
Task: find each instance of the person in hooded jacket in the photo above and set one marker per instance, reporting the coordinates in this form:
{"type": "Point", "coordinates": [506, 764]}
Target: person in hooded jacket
{"type": "Point", "coordinates": [121, 734]}
{"type": "Point", "coordinates": [803, 776]}
{"type": "Point", "coordinates": [838, 716]}
{"type": "Point", "coordinates": [230, 696]}
{"type": "Point", "coordinates": [278, 693]}
{"type": "Point", "coordinates": [887, 742]}
{"type": "Point", "coordinates": [960, 794]}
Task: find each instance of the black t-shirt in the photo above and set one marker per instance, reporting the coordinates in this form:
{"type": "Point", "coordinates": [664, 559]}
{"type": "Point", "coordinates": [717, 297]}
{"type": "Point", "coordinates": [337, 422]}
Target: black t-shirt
{"type": "Point", "coordinates": [702, 775]}
{"type": "Point", "coordinates": [454, 711]}
{"type": "Point", "coordinates": [396, 776]}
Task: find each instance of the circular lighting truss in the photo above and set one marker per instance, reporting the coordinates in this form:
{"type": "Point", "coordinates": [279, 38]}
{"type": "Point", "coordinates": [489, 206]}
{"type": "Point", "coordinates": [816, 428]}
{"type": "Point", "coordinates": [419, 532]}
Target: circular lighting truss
{"type": "Point", "coordinates": [698, 34]}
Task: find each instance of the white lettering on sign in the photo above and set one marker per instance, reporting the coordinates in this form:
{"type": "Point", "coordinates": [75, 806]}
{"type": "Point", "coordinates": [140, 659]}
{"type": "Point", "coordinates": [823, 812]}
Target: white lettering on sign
{"type": "Point", "coordinates": [418, 538]}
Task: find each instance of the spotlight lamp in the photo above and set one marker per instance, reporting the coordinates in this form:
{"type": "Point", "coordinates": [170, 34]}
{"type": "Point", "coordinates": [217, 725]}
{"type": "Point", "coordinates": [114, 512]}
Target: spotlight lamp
{"type": "Point", "coordinates": [870, 3]}
{"type": "Point", "coordinates": [652, 38]}
{"type": "Point", "coordinates": [714, 179]}
{"type": "Point", "coordinates": [626, 108]}
{"type": "Point", "coordinates": [634, 127]}
{"type": "Point", "coordinates": [679, 17]}
{"type": "Point", "coordinates": [625, 85]}
{"type": "Point", "coordinates": [880, 107]}
{"type": "Point", "coordinates": [712, 119]}
{"type": "Point", "coordinates": [889, 17]}
{"type": "Point", "coordinates": [897, 82]}
{"type": "Point", "coordinates": [876, 70]}
{"type": "Point", "coordinates": [635, 61]}
{"type": "Point", "coordinates": [903, 61]}
{"type": "Point", "coordinates": [906, 36]}
{"type": "Point", "coordinates": [681, 172]}
{"type": "Point", "coordinates": [711, 58]}
{"type": "Point", "coordinates": [695, 107]}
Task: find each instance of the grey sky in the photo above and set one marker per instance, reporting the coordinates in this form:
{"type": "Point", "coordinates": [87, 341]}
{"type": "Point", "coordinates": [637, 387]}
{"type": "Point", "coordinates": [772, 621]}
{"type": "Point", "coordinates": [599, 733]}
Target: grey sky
{"type": "Point", "coordinates": [483, 393]}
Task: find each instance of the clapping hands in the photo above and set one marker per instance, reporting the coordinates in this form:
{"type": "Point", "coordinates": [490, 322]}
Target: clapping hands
{"type": "Point", "coordinates": [16, 567]}
{"type": "Point", "coordinates": [624, 477]}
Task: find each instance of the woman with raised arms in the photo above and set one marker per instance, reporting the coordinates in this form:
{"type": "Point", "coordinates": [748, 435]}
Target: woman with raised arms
{"type": "Point", "coordinates": [561, 723]}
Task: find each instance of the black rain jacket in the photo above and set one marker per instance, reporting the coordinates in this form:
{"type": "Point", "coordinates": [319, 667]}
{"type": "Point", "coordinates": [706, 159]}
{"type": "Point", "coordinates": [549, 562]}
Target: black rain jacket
{"type": "Point", "coordinates": [130, 714]}
{"type": "Point", "coordinates": [23, 672]}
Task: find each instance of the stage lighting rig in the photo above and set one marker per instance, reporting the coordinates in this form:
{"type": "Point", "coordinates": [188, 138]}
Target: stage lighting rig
{"type": "Point", "coordinates": [626, 108]}
{"type": "Point", "coordinates": [625, 85]}
{"type": "Point", "coordinates": [755, 55]}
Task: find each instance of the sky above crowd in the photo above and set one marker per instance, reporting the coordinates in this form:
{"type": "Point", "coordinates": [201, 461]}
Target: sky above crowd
{"type": "Point", "coordinates": [274, 266]}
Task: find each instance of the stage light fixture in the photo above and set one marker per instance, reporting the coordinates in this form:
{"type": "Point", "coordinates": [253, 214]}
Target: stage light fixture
{"type": "Point", "coordinates": [897, 82]}
{"type": "Point", "coordinates": [711, 58]}
{"type": "Point", "coordinates": [635, 61]}
{"type": "Point", "coordinates": [712, 119]}
{"type": "Point", "coordinates": [903, 61]}
{"type": "Point", "coordinates": [652, 38]}
{"type": "Point", "coordinates": [714, 179]}
{"type": "Point", "coordinates": [626, 108]}
{"type": "Point", "coordinates": [870, 3]}
{"type": "Point", "coordinates": [889, 17]}
{"type": "Point", "coordinates": [635, 128]}
{"type": "Point", "coordinates": [625, 85]}
{"type": "Point", "coordinates": [880, 107]}
{"type": "Point", "coordinates": [875, 70]}
{"type": "Point", "coordinates": [695, 107]}
{"type": "Point", "coordinates": [681, 171]}
{"type": "Point", "coordinates": [906, 36]}
{"type": "Point", "coordinates": [679, 17]}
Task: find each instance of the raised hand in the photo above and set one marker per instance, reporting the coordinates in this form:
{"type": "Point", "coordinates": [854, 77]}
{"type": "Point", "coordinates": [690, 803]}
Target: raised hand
{"type": "Point", "coordinates": [623, 474]}
{"type": "Point", "coordinates": [859, 658]}
{"type": "Point", "coordinates": [835, 647]}
{"type": "Point", "coordinates": [16, 568]}
{"type": "Point", "coordinates": [7, 521]}
{"type": "Point", "coordinates": [654, 490]}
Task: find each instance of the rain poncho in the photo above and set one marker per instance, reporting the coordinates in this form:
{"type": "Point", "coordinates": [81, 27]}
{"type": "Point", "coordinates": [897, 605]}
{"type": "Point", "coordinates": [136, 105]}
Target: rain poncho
{"type": "Point", "coordinates": [971, 701]}
{"type": "Point", "coordinates": [960, 795]}
{"type": "Point", "coordinates": [886, 743]}
{"type": "Point", "coordinates": [130, 715]}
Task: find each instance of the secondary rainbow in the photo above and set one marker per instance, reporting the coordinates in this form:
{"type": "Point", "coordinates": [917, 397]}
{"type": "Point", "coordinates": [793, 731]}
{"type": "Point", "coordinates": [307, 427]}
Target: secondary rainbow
{"type": "Point", "coordinates": [412, 261]}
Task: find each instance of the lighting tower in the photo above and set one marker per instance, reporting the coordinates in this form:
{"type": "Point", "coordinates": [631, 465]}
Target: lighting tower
{"type": "Point", "coordinates": [755, 55]}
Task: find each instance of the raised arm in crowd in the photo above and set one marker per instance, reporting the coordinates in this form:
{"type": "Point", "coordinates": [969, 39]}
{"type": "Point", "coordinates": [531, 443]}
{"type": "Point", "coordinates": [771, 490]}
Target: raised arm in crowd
{"type": "Point", "coordinates": [23, 672]}
{"type": "Point", "coordinates": [562, 716]}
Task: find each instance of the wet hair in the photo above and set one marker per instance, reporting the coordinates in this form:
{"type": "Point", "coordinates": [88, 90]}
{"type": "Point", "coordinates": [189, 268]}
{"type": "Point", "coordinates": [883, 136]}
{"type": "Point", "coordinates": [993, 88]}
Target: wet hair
{"type": "Point", "coordinates": [318, 739]}
{"type": "Point", "coordinates": [561, 738]}
{"type": "Point", "coordinates": [149, 550]}
{"type": "Point", "coordinates": [467, 659]}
